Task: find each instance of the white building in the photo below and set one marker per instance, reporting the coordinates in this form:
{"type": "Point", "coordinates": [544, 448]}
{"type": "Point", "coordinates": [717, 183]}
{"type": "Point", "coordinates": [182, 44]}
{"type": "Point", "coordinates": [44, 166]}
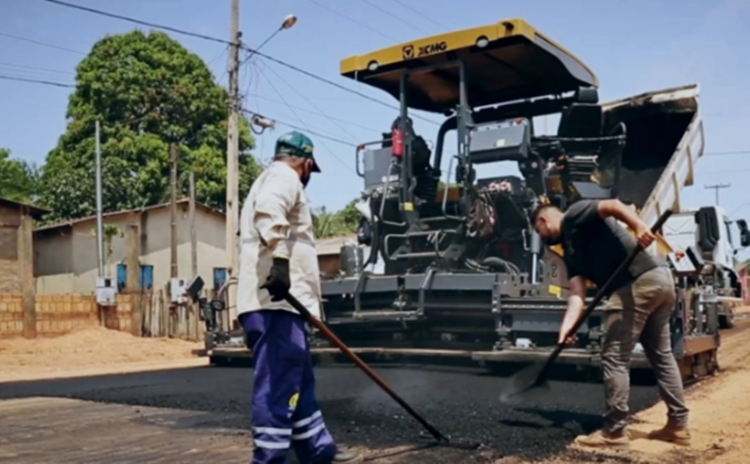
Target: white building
{"type": "Point", "coordinates": [66, 253]}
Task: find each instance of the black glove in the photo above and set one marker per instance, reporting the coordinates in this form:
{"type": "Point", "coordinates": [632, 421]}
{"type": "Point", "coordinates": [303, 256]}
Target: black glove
{"type": "Point", "coordinates": [278, 283]}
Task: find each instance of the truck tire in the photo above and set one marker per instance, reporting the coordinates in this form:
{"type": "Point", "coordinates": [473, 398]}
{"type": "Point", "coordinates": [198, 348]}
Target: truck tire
{"type": "Point", "coordinates": [726, 321]}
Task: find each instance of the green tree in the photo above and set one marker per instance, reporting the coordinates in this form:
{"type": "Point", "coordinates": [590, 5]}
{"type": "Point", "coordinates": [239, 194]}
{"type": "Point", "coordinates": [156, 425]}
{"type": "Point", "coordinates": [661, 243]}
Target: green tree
{"type": "Point", "coordinates": [148, 92]}
{"type": "Point", "coordinates": [342, 222]}
{"type": "Point", "coordinates": [18, 179]}
{"type": "Point", "coordinates": [350, 216]}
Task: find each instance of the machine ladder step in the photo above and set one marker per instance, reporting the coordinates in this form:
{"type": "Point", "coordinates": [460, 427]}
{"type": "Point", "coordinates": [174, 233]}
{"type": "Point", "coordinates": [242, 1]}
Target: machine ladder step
{"type": "Point", "coordinates": [389, 315]}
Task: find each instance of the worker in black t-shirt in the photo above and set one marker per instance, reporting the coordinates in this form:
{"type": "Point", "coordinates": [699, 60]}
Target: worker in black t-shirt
{"type": "Point", "coordinates": [594, 245]}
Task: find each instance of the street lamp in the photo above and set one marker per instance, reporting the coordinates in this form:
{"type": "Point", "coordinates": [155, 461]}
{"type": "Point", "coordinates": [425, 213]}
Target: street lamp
{"type": "Point", "coordinates": [289, 22]}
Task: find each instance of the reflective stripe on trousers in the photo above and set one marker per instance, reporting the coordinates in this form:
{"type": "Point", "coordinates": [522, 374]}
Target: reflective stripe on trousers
{"type": "Point", "coordinates": [285, 409]}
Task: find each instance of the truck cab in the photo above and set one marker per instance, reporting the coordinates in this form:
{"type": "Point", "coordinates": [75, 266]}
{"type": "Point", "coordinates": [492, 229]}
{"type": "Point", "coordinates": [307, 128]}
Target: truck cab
{"type": "Point", "coordinates": [718, 238]}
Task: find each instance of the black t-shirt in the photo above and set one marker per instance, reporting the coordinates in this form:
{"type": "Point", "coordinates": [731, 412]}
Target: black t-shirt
{"type": "Point", "coordinates": [594, 247]}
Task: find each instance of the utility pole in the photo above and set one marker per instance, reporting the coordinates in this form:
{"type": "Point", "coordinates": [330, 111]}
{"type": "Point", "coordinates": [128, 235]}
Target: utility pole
{"type": "Point", "coordinates": [193, 229]}
{"type": "Point", "coordinates": [716, 188]}
{"type": "Point", "coordinates": [99, 213]}
{"type": "Point", "coordinates": [173, 211]}
{"type": "Point", "coordinates": [232, 210]}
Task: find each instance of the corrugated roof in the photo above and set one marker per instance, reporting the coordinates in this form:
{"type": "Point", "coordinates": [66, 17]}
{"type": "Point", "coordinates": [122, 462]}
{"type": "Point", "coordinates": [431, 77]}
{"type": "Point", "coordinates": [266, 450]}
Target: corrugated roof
{"type": "Point", "coordinates": [35, 210]}
{"type": "Point", "coordinates": [117, 213]}
{"type": "Point", "coordinates": [332, 245]}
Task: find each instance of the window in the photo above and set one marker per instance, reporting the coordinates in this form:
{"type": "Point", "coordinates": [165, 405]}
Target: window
{"type": "Point", "coordinates": [220, 277]}
{"type": "Point", "coordinates": [146, 277]}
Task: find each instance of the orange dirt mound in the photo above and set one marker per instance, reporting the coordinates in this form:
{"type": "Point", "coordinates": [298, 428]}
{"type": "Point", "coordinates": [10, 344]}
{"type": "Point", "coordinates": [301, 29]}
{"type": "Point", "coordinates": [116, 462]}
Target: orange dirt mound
{"type": "Point", "coordinates": [86, 348]}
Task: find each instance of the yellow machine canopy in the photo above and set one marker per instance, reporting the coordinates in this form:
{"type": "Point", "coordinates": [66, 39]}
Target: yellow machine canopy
{"type": "Point", "coordinates": [507, 61]}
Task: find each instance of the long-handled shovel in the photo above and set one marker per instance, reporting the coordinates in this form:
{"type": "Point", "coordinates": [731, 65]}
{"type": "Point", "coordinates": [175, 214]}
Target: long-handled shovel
{"type": "Point", "coordinates": [318, 324]}
{"type": "Point", "coordinates": [534, 375]}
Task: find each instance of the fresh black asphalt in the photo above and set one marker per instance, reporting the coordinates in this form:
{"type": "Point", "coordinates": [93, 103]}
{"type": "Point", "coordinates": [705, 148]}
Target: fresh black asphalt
{"type": "Point", "coordinates": [462, 403]}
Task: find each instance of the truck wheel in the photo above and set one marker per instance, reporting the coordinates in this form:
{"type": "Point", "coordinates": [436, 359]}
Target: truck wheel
{"type": "Point", "coordinates": [220, 361]}
{"type": "Point", "coordinates": [726, 321]}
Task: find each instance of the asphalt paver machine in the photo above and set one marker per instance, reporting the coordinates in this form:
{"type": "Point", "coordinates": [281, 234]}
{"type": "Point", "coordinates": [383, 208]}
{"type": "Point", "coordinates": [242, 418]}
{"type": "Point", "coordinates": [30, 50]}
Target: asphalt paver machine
{"type": "Point", "coordinates": [463, 273]}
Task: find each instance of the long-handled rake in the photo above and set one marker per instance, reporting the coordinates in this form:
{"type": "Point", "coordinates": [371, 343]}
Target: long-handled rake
{"type": "Point", "coordinates": [442, 440]}
{"type": "Point", "coordinates": [535, 374]}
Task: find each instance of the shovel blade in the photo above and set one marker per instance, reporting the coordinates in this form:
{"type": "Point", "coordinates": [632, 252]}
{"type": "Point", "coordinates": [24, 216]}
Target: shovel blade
{"type": "Point", "coordinates": [524, 382]}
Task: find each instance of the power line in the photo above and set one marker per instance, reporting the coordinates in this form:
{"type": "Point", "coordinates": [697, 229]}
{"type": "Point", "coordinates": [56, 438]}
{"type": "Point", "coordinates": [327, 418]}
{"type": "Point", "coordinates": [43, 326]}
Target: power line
{"type": "Point", "coordinates": [337, 140]}
{"type": "Point", "coordinates": [728, 153]}
{"type": "Point", "coordinates": [59, 84]}
{"type": "Point", "coordinates": [355, 21]}
{"type": "Point", "coordinates": [339, 86]}
{"type": "Point", "coordinates": [253, 79]}
{"type": "Point", "coordinates": [217, 56]}
{"type": "Point", "coordinates": [738, 208]}
{"type": "Point", "coordinates": [285, 102]}
{"type": "Point", "coordinates": [302, 121]}
{"type": "Point", "coordinates": [396, 17]}
{"type": "Point", "coordinates": [731, 171]}
{"type": "Point", "coordinates": [139, 21]}
{"type": "Point", "coordinates": [419, 13]}
{"type": "Point", "coordinates": [305, 110]}
{"type": "Point", "coordinates": [318, 134]}
{"type": "Point", "coordinates": [716, 188]}
{"type": "Point", "coordinates": [243, 47]}
{"type": "Point", "coordinates": [35, 68]}
{"type": "Point", "coordinates": [36, 81]}
{"type": "Point", "coordinates": [44, 44]}
{"type": "Point", "coordinates": [293, 126]}
{"type": "Point", "coordinates": [320, 112]}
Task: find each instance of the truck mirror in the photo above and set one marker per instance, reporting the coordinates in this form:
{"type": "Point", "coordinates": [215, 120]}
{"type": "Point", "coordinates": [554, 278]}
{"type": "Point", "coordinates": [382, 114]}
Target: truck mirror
{"type": "Point", "coordinates": [744, 233]}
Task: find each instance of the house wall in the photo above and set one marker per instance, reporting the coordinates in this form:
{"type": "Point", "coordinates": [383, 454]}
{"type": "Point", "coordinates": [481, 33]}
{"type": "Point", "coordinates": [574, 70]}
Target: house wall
{"type": "Point", "coordinates": [10, 219]}
{"type": "Point", "coordinates": [53, 261]}
{"type": "Point", "coordinates": [67, 262]}
{"type": "Point", "coordinates": [59, 314]}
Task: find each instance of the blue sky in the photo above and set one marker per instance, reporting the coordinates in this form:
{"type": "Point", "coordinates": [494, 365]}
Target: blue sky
{"type": "Point", "coordinates": [634, 47]}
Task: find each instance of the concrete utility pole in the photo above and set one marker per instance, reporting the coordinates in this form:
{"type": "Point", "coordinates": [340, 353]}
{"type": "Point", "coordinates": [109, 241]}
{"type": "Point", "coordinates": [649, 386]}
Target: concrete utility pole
{"type": "Point", "coordinates": [99, 213]}
{"type": "Point", "coordinates": [716, 188]}
{"type": "Point", "coordinates": [173, 211]}
{"type": "Point", "coordinates": [193, 229]}
{"type": "Point", "coordinates": [233, 147]}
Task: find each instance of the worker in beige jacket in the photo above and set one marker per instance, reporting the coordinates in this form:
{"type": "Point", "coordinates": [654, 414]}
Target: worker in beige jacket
{"type": "Point", "coordinates": [278, 257]}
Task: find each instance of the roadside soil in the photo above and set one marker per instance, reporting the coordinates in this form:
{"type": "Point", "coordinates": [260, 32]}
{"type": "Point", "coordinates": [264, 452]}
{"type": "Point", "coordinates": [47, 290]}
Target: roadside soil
{"type": "Point", "coordinates": [720, 417]}
{"type": "Point", "coordinates": [91, 351]}
{"type": "Point", "coordinates": [720, 406]}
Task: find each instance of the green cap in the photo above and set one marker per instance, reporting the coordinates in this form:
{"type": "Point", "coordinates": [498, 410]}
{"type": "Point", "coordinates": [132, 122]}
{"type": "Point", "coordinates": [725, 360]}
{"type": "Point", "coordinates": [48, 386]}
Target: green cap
{"type": "Point", "coordinates": [297, 144]}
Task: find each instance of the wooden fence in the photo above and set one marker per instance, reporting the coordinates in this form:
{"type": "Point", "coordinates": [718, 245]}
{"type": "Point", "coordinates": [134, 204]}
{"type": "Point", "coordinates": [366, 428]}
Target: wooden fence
{"type": "Point", "coordinates": [161, 318]}
{"type": "Point", "coordinates": [57, 315]}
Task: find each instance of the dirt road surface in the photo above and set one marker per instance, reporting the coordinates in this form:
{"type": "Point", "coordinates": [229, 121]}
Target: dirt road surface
{"type": "Point", "coordinates": [90, 351]}
{"type": "Point", "coordinates": [193, 414]}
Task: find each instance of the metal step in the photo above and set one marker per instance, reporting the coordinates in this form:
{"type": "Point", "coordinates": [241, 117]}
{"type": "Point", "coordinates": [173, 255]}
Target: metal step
{"type": "Point", "coordinates": [389, 315]}
{"type": "Point", "coordinates": [424, 233]}
{"type": "Point", "coordinates": [421, 254]}
{"type": "Point", "coordinates": [439, 236]}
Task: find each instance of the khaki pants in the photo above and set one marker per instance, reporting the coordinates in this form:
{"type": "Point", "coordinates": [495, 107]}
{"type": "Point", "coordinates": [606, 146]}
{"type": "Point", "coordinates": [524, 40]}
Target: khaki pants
{"type": "Point", "coordinates": [640, 311]}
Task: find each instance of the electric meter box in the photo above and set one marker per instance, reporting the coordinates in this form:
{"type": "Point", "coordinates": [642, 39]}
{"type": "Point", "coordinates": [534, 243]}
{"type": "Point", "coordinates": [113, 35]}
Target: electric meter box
{"type": "Point", "coordinates": [177, 290]}
{"type": "Point", "coordinates": [106, 292]}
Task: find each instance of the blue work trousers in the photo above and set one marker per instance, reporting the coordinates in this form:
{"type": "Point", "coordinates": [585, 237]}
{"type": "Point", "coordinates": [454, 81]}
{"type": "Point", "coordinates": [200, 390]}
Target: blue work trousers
{"type": "Point", "coordinates": [285, 408]}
